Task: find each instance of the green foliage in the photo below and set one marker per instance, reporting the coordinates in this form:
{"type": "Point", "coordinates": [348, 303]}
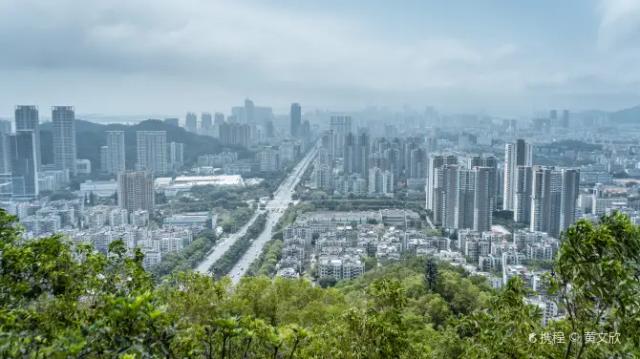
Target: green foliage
{"type": "Point", "coordinates": [188, 258]}
{"type": "Point", "coordinates": [266, 264]}
{"type": "Point", "coordinates": [235, 252]}
{"type": "Point", "coordinates": [597, 279]}
{"type": "Point", "coordinates": [59, 300]}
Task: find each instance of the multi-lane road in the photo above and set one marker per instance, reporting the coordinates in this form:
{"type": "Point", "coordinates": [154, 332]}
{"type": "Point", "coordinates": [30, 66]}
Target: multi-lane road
{"type": "Point", "coordinates": [223, 246]}
{"type": "Point", "coordinates": [274, 209]}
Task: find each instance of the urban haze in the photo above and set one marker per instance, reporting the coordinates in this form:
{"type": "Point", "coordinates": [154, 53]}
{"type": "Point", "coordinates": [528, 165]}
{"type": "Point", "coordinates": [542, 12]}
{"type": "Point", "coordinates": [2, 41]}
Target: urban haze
{"type": "Point", "coordinates": [283, 179]}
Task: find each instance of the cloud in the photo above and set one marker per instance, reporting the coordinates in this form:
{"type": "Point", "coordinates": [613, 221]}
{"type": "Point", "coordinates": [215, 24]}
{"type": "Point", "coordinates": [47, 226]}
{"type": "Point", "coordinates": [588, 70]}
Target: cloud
{"type": "Point", "coordinates": [620, 24]}
{"type": "Point", "coordinates": [227, 41]}
{"type": "Point", "coordinates": [183, 52]}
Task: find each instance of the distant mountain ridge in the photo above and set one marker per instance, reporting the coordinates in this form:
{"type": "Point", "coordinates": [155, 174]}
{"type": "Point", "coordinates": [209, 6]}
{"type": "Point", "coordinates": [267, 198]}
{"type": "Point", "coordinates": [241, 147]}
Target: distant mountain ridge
{"type": "Point", "coordinates": [91, 136]}
{"type": "Point", "coordinates": [627, 116]}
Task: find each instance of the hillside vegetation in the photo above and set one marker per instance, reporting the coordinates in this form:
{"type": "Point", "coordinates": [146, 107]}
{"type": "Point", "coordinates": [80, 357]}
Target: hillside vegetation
{"type": "Point", "coordinates": [59, 301]}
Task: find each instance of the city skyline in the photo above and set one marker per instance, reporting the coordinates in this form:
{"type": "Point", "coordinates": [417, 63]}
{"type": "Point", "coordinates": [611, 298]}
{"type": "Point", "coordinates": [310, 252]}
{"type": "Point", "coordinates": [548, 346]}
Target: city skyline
{"type": "Point", "coordinates": [457, 57]}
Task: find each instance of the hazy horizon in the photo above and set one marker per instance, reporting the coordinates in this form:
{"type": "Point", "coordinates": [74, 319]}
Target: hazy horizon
{"type": "Point", "coordinates": [502, 58]}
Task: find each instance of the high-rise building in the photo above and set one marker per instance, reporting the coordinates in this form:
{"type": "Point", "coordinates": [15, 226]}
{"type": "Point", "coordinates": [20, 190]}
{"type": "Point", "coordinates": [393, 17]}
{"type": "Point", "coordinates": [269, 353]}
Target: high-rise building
{"type": "Point", "coordinates": [176, 155]}
{"type": "Point", "coordinates": [546, 197]}
{"type": "Point", "coordinates": [553, 117]}
{"type": "Point", "coordinates": [565, 119]}
{"type": "Point", "coordinates": [447, 196]}
{"type": "Point", "coordinates": [5, 153]}
{"type": "Point", "coordinates": [569, 197]}
{"type": "Point", "coordinates": [251, 114]}
{"type": "Point", "coordinates": [218, 121]}
{"type": "Point", "coordinates": [135, 191]}
{"type": "Point", "coordinates": [64, 138]}
{"type": "Point", "coordinates": [435, 162]}
{"type": "Point", "coordinates": [152, 151]}
{"type": "Point", "coordinates": [464, 203]}
{"type": "Point", "coordinates": [340, 127]}
{"type": "Point", "coordinates": [191, 122]}
{"type": "Point", "coordinates": [515, 154]}
{"type": "Point", "coordinates": [269, 159]}
{"type": "Point", "coordinates": [218, 118]}
{"type": "Point", "coordinates": [362, 154]}
{"type": "Point", "coordinates": [380, 182]}
{"type": "Point", "coordinates": [482, 206]}
{"type": "Point", "coordinates": [206, 122]}
{"type": "Point", "coordinates": [492, 164]}
{"type": "Point", "coordinates": [249, 111]}
{"type": "Point", "coordinates": [417, 163]}
{"type": "Point", "coordinates": [473, 204]}
{"type": "Point", "coordinates": [24, 166]}
{"type": "Point", "coordinates": [104, 158]}
{"type": "Point", "coordinates": [232, 133]}
{"type": "Point", "coordinates": [522, 194]}
{"type": "Point", "coordinates": [115, 155]}
{"type": "Point", "coordinates": [349, 156]}
{"type": "Point", "coordinates": [5, 127]}
{"type": "Point", "coordinates": [27, 119]}
{"type": "Point", "coordinates": [323, 175]}
{"type": "Point", "coordinates": [296, 119]}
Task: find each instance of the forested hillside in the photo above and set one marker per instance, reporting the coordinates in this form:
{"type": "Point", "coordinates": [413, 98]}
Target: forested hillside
{"type": "Point", "coordinates": [59, 300]}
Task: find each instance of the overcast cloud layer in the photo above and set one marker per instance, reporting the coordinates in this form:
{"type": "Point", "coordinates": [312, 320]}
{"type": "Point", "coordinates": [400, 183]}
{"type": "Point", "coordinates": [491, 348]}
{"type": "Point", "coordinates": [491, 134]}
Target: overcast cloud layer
{"type": "Point", "coordinates": [151, 56]}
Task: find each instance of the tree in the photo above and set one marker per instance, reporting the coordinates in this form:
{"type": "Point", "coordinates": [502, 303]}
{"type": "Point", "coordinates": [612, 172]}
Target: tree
{"type": "Point", "coordinates": [597, 278]}
{"type": "Point", "coordinates": [431, 274]}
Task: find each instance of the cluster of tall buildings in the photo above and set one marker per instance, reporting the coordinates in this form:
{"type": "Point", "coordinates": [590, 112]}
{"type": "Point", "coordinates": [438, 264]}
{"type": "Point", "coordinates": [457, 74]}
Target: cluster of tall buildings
{"type": "Point", "coordinates": [351, 162]}
{"type": "Point", "coordinates": [541, 196]}
{"type": "Point", "coordinates": [462, 194]}
{"type": "Point", "coordinates": [113, 155]}
{"type": "Point", "coordinates": [20, 151]}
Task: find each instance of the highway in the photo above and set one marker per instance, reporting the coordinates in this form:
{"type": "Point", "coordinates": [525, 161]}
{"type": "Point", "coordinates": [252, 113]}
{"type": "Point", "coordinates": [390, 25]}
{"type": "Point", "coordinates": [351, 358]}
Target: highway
{"type": "Point", "coordinates": [223, 246]}
{"type": "Point", "coordinates": [275, 208]}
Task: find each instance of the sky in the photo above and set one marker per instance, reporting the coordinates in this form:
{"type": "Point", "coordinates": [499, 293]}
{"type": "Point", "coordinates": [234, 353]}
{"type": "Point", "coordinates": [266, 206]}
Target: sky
{"type": "Point", "coordinates": [509, 58]}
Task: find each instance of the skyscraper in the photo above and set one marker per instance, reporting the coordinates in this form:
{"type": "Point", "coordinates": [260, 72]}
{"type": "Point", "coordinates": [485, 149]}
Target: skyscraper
{"type": "Point", "coordinates": [296, 119]}
{"type": "Point", "coordinates": [482, 199]}
{"type": "Point", "coordinates": [135, 190]}
{"type": "Point", "coordinates": [152, 151]}
{"type": "Point", "coordinates": [447, 197]}
{"type": "Point", "coordinates": [522, 194]}
{"type": "Point", "coordinates": [349, 156]}
{"type": "Point", "coordinates": [5, 153]}
{"type": "Point", "coordinates": [115, 155]}
{"type": "Point", "coordinates": [206, 122]}
{"type": "Point", "coordinates": [24, 164]}
{"type": "Point", "coordinates": [435, 162]}
{"type": "Point", "coordinates": [569, 196]}
{"type": "Point", "coordinates": [464, 203]}
{"type": "Point", "coordinates": [218, 118]}
{"type": "Point", "coordinates": [176, 155]}
{"type": "Point", "coordinates": [362, 154]}
{"type": "Point", "coordinates": [191, 122]}
{"type": "Point", "coordinates": [417, 163]}
{"type": "Point", "coordinates": [5, 127]}
{"type": "Point", "coordinates": [27, 119]}
{"type": "Point", "coordinates": [340, 127]}
{"type": "Point", "coordinates": [64, 138]}
{"type": "Point", "coordinates": [565, 119]}
{"type": "Point", "coordinates": [380, 182]}
{"type": "Point", "coordinates": [232, 133]}
{"type": "Point", "coordinates": [515, 154]}
{"type": "Point", "coordinates": [546, 194]}
{"type": "Point", "coordinates": [473, 204]}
